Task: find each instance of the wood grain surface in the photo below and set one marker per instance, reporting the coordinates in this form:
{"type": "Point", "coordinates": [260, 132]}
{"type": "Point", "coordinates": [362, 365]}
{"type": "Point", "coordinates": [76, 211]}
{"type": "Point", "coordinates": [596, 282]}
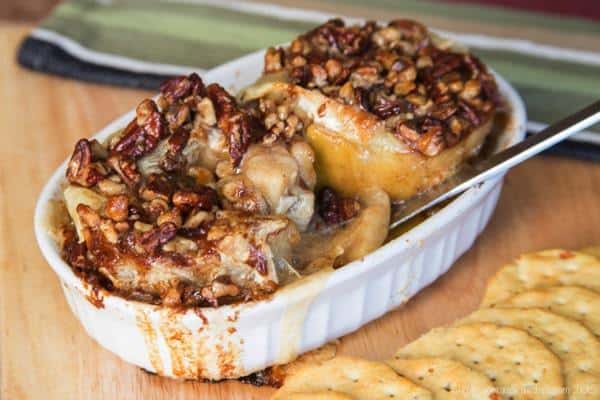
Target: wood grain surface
{"type": "Point", "coordinates": [44, 352]}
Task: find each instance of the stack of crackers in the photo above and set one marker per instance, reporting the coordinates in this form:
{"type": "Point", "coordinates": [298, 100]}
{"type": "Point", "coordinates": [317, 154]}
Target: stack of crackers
{"type": "Point", "coordinates": [536, 336]}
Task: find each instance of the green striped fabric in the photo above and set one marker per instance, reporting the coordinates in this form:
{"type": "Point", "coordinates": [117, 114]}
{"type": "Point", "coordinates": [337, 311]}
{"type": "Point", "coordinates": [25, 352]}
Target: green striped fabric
{"type": "Point", "coordinates": [481, 13]}
{"type": "Point", "coordinates": [204, 34]}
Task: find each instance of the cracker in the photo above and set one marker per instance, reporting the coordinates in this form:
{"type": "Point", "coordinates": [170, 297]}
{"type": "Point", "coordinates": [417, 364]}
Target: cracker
{"type": "Point", "coordinates": [573, 302]}
{"type": "Point", "coordinates": [592, 251]}
{"type": "Point", "coordinates": [520, 365]}
{"type": "Point", "coordinates": [547, 268]}
{"type": "Point", "coordinates": [316, 356]}
{"type": "Point", "coordinates": [446, 379]}
{"type": "Point", "coordinates": [320, 395]}
{"type": "Point", "coordinates": [360, 379]}
{"type": "Point", "coordinates": [574, 344]}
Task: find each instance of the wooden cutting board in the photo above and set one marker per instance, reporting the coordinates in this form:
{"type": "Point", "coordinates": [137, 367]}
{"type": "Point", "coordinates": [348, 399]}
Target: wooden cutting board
{"type": "Point", "coordinates": [44, 352]}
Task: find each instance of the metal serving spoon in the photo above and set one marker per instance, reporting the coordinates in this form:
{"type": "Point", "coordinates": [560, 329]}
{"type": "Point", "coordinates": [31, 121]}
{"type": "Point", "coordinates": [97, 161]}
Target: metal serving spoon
{"type": "Point", "coordinates": [474, 173]}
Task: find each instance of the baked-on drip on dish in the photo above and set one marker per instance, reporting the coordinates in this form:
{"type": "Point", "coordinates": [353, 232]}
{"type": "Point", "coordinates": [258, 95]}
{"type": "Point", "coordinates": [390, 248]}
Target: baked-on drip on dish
{"type": "Point", "coordinates": [197, 203]}
{"type": "Point", "coordinates": [394, 106]}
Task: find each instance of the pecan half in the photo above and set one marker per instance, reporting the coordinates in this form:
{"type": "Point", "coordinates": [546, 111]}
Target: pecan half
{"type": "Point", "coordinates": [335, 209]}
{"type": "Point", "coordinates": [156, 237]}
{"type": "Point", "coordinates": [88, 216]}
{"type": "Point", "coordinates": [346, 40]}
{"type": "Point", "coordinates": [176, 115]}
{"type": "Point", "coordinates": [279, 120]}
{"type": "Point", "coordinates": [408, 132]}
{"type": "Point", "coordinates": [173, 159]}
{"type": "Point", "coordinates": [131, 142]}
{"type": "Point", "coordinates": [240, 128]}
{"type": "Point", "coordinates": [443, 111]}
{"type": "Point", "coordinates": [142, 134]}
{"type": "Point", "coordinates": [117, 208]}
{"type": "Point", "coordinates": [197, 232]}
{"type": "Point", "coordinates": [468, 112]}
{"type": "Point", "coordinates": [385, 108]}
{"type": "Point", "coordinates": [182, 86]}
{"type": "Point", "coordinates": [409, 29]}
{"type": "Point", "coordinates": [80, 169]}
{"type": "Point", "coordinates": [204, 198]}
{"type": "Point", "coordinates": [157, 186]}
{"type": "Point", "coordinates": [126, 169]}
{"type": "Point", "coordinates": [431, 142]}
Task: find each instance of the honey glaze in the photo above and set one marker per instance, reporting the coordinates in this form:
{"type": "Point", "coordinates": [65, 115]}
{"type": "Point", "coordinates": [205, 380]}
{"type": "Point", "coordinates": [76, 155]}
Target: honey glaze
{"type": "Point", "coordinates": [179, 341]}
{"type": "Point", "coordinates": [145, 327]}
{"type": "Point", "coordinates": [179, 345]}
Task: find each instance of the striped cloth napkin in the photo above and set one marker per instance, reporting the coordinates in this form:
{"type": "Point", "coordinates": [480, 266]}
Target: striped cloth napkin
{"type": "Point", "coordinates": [553, 60]}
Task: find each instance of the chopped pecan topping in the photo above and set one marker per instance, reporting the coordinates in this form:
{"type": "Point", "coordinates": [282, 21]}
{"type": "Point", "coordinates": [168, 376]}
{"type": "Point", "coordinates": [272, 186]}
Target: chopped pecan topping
{"type": "Point", "coordinates": [197, 217]}
{"type": "Point", "coordinates": [240, 127]}
{"type": "Point", "coordinates": [408, 29]}
{"type": "Point", "coordinates": [177, 115]}
{"type": "Point", "coordinates": [385, 107]}
{"type": "Point", "coordinates": [154, 208]}
{"type": "Point", "coordinates": [204, 198]}
{"type": "Point", "coordinates": [443, 111]}
{"type": "Point", "coordinates": [143, 133]}
{"type": "Point", "coordinates": [81, 168]}
{"type": "Point", "coordinates": [335, 209]}
{"type": "Point", "coordinates": [88, 216]}
{"type": "Point", "coordinates": [158, 236]}
{"type": "Point", "coordinates": [468, 112]}
{"type": "Point", "coordinates": [408, 132]}
{"type": "Point", "coordinates": [192, 297]}
{"type": "Point", "coordinates": [195, 232]}
{"type": "Point", "coordinates": [334, 35]}
{"type": "Point", "coordinates": [111, 187]}
{"type": "Point", "coordinates": [235, 194]}
{"type": "Point", "coordinates": [396, 72]}
{"type": "Point", "coordinates": [206, 112]}
{"type": "Point", "coordinates": [157, 186]}
{"type": "Point", "coordinates": [335, 71]}
{"type": "Point", "coordinates": [173, 159]}
{"type": "Point", "coordinates": [221, 287]}
{"type": "Point", "coordinates": [126, 169]}
{"type": "Point", "coordinates": [273, 59]}
{"type": "Point", "coordinates": [117, 208]}
{"type": "Point", "coordinates": [279, 120]}
{"type": "Point", "coordinates": [181, 87]}
{"type": "Point", "coordinates": [173, 216]}
{"type": "Point", "coordinates": [431, 140]}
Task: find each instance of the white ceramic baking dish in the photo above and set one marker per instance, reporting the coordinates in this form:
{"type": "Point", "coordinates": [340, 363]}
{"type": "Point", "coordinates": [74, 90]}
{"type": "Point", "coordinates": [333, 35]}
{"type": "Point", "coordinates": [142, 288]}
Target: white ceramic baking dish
{"type": "Point", "coordinates": [236, 340]}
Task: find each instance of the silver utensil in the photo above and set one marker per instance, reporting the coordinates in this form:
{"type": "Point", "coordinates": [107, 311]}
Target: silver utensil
{"type": "Point", "coordinates": [475, 173]}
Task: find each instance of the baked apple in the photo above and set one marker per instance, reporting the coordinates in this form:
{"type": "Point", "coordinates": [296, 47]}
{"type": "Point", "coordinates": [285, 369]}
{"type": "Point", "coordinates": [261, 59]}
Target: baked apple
{"type": "Point", "coordinates": [394, 107]}
{"type": "Point", "coordinates": [200, 201]}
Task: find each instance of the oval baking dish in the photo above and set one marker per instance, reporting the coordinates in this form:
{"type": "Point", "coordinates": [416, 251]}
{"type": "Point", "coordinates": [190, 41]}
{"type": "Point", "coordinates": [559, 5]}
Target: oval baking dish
{"type": "Point", "coordinates": [236, 340]}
